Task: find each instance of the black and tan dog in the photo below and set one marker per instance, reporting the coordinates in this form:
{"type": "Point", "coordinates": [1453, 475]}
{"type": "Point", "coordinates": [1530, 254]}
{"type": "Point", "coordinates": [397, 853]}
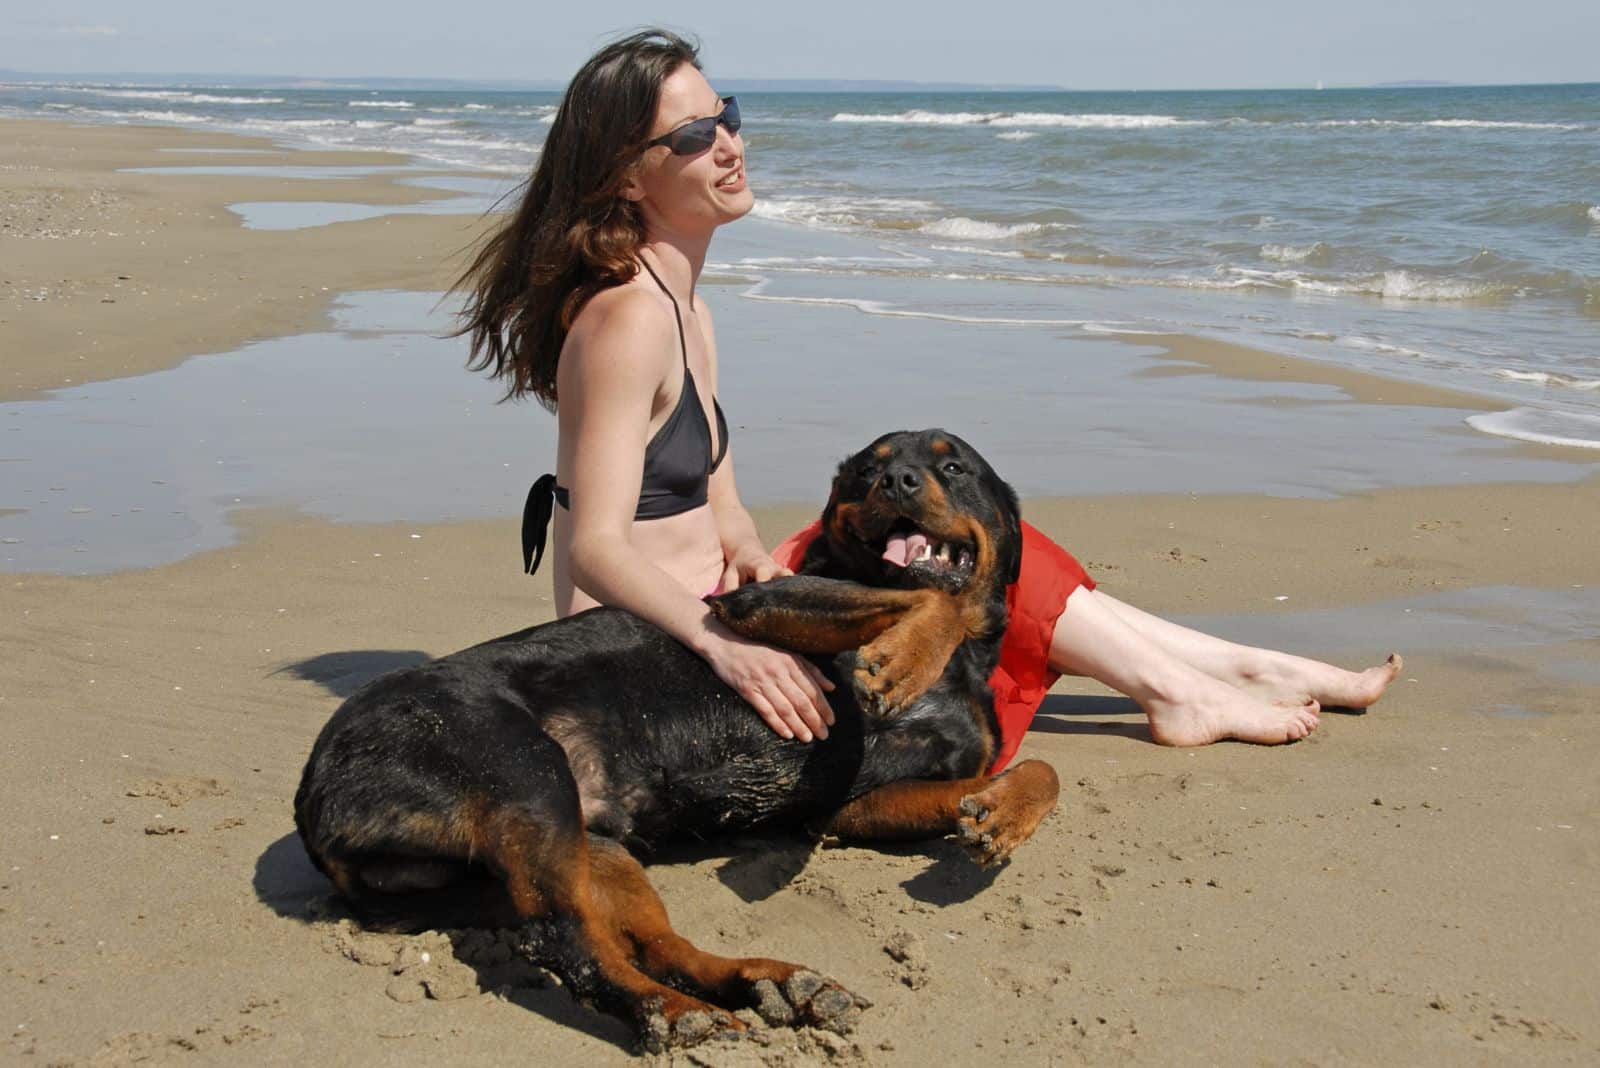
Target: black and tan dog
{"type": "Point", "coordinates": [496, 787]}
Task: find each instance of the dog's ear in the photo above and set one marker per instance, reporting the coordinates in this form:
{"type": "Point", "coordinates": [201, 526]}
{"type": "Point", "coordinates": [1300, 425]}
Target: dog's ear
{"type": "Point", "coordinates": [1011, 520]}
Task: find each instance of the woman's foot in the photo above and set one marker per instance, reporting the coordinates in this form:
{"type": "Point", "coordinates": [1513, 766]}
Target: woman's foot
{"type": "Point", "coordinates": [1285, 679]}
{"type": "Point", "coordinates": [1215, 712]}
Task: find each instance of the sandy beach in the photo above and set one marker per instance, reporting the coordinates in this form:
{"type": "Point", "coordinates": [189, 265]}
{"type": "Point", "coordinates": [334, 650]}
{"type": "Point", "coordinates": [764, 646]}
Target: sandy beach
{"type": "Point", "coordinates": [1410, 886]}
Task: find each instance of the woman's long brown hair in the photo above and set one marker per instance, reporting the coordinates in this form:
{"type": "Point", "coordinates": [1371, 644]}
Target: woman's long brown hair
{"type": "Point", "coordinates": [572, 234]}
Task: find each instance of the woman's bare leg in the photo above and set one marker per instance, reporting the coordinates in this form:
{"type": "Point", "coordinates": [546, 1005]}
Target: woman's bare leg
{"type": "Point", "coordinates": [1186, 705]}
{"type": "Point", "coordinates": [1267, 673]}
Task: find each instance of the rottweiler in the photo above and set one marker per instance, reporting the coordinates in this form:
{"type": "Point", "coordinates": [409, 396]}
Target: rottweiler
{"type": "Point", "coordinates": [505, 785]}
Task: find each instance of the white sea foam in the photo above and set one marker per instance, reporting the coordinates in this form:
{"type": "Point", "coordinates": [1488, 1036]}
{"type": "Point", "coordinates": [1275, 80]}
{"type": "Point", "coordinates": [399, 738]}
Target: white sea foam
{"type": "Point", "coordinates": [918, 117]}
{"type": "Point", "coordinates": [433, 122]}
{"type": "Point", "coordinates": [132, 94]}
{"type": "Point", "coordinates": [401, 105]}
{"type": "Point", "coordinates": [965, 229]}
{"type": "Point", "coordinates": [1016, 135]}
{"type": "Point", "coordinates": [978, 250]}
{"type": "Point", "coordinates": [1368, 344]}
{"type": "Point", "coordinates": [1404, 285]}
{"type": "Point", "coordinates": [1446, 124]}
{"type": "Point", "coordinates": [839, 213]}
{"type": "Point", "coordinates": [1549, 378]}
{"type": "Point", "coordinates": [1541, 426]}
{"type": "Point", "coordinates": [207, 98]}
{"type": "Point", "coordinates": [476, 107]}
{"type": "Point", "coordinates": [146, 116]}
{"type": "Point", "coordinates": [1390, 285]}
{"type": "Point", "coordinates": [1594, 213]}
{"type": "Point", "coordinates": [1294, 253]}
{"type": "Point", "coordinates": [878, 307]}
{"type": "Point", "coordinates": [464, 142]}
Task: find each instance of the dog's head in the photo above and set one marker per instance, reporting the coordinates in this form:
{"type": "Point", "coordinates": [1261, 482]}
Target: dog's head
{"type": "Point", "coordinates": [924, 509]}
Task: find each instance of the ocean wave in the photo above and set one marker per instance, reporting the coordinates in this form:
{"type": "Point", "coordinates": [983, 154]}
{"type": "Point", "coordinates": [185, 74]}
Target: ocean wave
{"type": "Point", "coordinates": [979, 250]}
{"type": "Point", "coordinates": [1594, 213]}
{"type": "Point", "coordinates": [467, 142]}
{"type": "Point", "coordinates": [433, 122]}
{"type": "Point", "coordinates": [1389, 285]}
{"type": "Point", "coordinates": [1442, 124]}
{"type": "Point", "coordinates": [1541, 426]}
{"type": "Point", "coordinates": [1548, 378]}
{"type": "Point", "coordinates": [1317, 253]}
{"type": "Point", "coordinates": [147, 116]}
{"type": "Point", "coordinates": [962, 228]}
{"type": "Point", "coordinates": [835, 213]}
{"type": "Point", "coordinates": [207, 98]}
{"type": "Point", "coordinates": [918, 117]}
{"type": "Point", "coordinates": [1016, 135]}
{"type": "Point", "coordinates": [401, 105]}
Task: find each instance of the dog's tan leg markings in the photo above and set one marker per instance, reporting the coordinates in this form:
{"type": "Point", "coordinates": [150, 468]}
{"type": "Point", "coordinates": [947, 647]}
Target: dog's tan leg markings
{"type": "Point", "coordinates": [902, 662]}
{"type": "Point", "coordinates": [567, 894]}
{"type": "Point", "coordinates": [905, 637]}
{"type": "Point", "coordinates": [991, 816]}
{"type": "Point", "coordinates": [781, 992]}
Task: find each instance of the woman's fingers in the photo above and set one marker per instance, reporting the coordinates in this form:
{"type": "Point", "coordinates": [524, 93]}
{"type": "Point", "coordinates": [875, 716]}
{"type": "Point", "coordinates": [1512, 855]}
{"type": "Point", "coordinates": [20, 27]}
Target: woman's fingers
{"type": "Point", "coordinates": [767, 568]}
{"type": "Point", "coordinates": [768, 714]}
{"type": "Point", "coordinates": [730, 579]}
{"type": "Point", "coordinates": [794, 688]}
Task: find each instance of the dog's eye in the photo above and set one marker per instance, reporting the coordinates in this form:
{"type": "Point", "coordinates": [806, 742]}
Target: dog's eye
{"type": "Point", "coordinates": [869, 472]}
{"type": "Point", "coordinates": [951, 468]}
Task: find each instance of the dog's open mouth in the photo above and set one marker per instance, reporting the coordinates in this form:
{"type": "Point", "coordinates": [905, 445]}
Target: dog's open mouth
{"type": "Point", "coordinates": [917, 552]}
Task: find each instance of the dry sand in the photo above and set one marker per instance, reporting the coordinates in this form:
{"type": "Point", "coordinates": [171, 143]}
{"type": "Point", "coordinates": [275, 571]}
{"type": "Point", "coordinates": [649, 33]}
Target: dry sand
{"type": "Point", "coordinates": [1416, 885]}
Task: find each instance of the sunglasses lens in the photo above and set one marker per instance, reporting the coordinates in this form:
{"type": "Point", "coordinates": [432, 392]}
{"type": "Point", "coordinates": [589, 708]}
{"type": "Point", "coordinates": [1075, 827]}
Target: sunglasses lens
{"type": "Point", "coordinates": [696, 136]}
{"type": "Point", "coordinates": [701, 134]}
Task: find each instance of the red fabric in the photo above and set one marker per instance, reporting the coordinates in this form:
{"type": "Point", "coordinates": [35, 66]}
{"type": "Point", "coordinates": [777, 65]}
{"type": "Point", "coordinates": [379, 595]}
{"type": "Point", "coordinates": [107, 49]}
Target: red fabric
{"type": "Point", "coordinates": [1033, 604]}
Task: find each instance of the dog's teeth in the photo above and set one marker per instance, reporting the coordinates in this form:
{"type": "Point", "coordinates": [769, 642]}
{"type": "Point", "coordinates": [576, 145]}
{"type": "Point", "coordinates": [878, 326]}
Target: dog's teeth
{"type": "Point", "coordinates": [924, 552]}
{"type": "Point", "coordinates": [944, 552]}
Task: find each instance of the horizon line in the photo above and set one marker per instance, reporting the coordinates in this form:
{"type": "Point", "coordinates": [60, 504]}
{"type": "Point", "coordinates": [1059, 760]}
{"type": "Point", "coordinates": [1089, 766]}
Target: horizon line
{"type": "Point", "coordinates": [212, 79]}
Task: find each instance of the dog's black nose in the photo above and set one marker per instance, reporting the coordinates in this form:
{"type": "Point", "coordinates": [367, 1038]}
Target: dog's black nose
{"type": "Point", "coordinates": [900, 483]}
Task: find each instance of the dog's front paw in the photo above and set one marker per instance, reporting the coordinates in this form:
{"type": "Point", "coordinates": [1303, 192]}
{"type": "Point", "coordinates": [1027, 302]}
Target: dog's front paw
{"type": "Point", "coordinates": [997, 819]}
{"type": "Point", "coordinates": [878, 691]}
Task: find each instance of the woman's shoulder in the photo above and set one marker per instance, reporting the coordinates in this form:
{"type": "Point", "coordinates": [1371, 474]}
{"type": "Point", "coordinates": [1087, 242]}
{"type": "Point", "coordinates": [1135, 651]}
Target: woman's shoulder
{"type": "Point", "coordinates": [623, 319]}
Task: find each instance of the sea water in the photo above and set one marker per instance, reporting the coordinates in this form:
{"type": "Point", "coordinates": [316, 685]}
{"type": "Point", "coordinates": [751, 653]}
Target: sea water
{"type": "Point", "coordinates": [1448, 235]}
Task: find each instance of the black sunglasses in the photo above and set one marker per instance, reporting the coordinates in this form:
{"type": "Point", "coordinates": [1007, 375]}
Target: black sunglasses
{"type": "Point", "coordinates": [701, 134]}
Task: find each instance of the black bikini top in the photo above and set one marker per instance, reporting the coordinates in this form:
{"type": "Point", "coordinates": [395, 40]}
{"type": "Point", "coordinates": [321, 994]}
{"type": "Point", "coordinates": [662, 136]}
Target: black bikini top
{"type": "Point", "coordinates": [677, 461]}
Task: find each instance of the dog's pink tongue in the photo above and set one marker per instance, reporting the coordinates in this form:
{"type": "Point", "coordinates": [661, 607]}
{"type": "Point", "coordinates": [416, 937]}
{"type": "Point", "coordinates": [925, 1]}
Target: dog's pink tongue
{"type": "Point", "coordinates": [903, 548]}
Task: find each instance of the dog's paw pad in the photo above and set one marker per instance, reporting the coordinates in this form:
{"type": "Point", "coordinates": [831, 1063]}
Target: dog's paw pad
{"type": "Point", "coordinates": [772, 1006]}
{"type": "Point", "coordinates": [801, 986]}
{"type": "Point", "coordinates": [971, 806]}
{"type": "Point", "coordinates": [694, 1027]}
{"type": "Point", "coordinates": [833, 1008]}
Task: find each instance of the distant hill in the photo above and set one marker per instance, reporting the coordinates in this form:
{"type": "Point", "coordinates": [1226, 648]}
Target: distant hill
{"type": "Point", "coordinates": [272, 81]}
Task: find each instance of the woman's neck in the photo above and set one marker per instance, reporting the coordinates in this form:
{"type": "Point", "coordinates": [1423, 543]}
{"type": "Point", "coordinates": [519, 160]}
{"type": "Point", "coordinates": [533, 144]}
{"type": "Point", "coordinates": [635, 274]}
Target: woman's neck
{"type": "Point", "coordinates": [678, 262]}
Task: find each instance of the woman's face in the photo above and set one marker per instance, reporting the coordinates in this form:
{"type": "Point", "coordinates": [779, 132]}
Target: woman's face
{"type": "Point", "coordinates": [697, 192]}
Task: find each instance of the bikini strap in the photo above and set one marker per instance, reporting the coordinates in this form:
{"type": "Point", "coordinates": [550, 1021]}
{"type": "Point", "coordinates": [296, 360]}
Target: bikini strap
{"type": "Point", "coordinates": [536, 515]}
{"type": "Point", "coordinates": [683, 345]}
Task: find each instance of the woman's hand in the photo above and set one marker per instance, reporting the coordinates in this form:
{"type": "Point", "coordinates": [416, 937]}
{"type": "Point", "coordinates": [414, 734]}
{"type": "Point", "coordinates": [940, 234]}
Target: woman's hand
{"type": "Point", "coordinates": [785, 689]}
{"type": "Point", "coordinates": [750, 563]}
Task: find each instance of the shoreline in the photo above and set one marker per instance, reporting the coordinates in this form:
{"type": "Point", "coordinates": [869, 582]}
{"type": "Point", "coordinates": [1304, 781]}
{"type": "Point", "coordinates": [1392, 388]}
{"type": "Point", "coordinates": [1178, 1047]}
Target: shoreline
{"type": "Point", "coordinates": [1404, 886]}
{"type": "Point", "coordinates": [109, 299]}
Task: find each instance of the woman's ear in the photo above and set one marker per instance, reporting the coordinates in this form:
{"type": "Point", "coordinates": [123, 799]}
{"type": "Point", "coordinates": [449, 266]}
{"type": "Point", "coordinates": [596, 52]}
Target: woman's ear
{"type": "Point", "coordinates": [632, 188]}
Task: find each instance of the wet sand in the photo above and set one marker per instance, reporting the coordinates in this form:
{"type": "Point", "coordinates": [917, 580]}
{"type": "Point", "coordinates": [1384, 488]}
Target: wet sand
{"type": "Point", "coordinates": [1409, 886]}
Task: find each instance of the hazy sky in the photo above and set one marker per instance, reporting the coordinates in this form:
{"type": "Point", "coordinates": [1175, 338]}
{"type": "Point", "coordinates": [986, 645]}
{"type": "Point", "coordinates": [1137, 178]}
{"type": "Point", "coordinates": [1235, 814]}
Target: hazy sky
{"type": "Point", "coordinates": [1134, 44]}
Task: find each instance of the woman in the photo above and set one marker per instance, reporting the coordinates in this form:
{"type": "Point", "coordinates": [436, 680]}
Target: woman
{"type": "Point", "coordinates": [588, 295]}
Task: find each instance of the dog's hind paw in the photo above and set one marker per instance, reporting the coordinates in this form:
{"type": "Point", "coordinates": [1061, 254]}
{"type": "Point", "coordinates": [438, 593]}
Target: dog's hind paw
{"type": "Point", "coordinates": [659, 1033]}
{"type": "Point", "coordinates": [808, 998]}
